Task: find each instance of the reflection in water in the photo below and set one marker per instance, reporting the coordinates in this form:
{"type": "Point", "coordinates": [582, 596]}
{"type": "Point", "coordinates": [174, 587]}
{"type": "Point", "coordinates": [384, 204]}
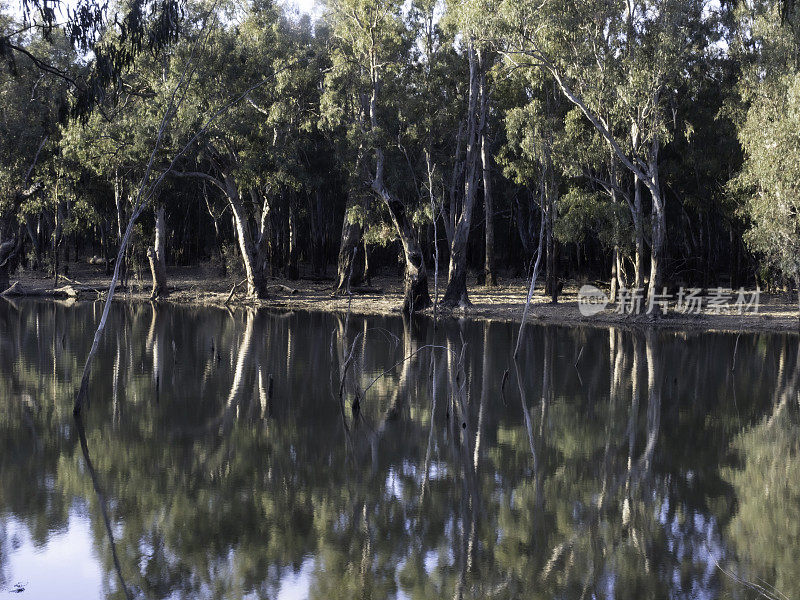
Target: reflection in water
{"type": "Point", "coordinates": [102, 503]}
{"type": "Point", "coordinates": [259, 454]}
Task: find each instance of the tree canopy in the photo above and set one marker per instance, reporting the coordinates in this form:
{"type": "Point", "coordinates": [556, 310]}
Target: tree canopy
{"type": "Point", "coordinates": [652, 143]}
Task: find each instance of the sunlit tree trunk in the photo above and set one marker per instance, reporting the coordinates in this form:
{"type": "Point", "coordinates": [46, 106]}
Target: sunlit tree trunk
{"type": "Point", "coordinates": [119, 205]}
{"type": "Point", "coordinates": [58, 237]}
{"type": "Point", "coordinates": [254, 272]}
{"type": "Point", "coordinates": [262, 250]}
{"type": "Point", "coordinates": [455, 295]}
{"type": "Point", "coordinates": [614, 273]}
{"type": "Point", "coordinates": [254, 253]}
{"type": "Point", "coordinates": [659, 228]}
{"type": "Point", "coordinates": [157, 257]}
{"type": "Point", "coordinates": [638, 222]}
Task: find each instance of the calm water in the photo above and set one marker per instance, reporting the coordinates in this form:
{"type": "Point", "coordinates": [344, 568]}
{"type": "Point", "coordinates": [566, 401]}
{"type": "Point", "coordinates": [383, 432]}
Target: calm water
{"type": "Point", "coordinates": [221, 458]}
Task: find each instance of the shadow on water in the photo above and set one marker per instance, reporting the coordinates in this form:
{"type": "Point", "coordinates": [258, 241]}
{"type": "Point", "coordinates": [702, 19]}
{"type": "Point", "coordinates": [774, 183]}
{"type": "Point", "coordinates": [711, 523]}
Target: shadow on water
{"type": "Point", "coordinates": [248, 453]}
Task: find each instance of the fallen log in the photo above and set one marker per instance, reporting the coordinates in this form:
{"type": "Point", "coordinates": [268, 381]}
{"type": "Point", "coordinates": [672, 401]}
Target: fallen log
{"type": "Point", "coordinates": [65, 291]}
{"type": "Point", "coordinates": [283, 288]}
{"type": "Point", "coordinates": [361, 290]}
{"type": "Point", "coordinates": [14, 290]}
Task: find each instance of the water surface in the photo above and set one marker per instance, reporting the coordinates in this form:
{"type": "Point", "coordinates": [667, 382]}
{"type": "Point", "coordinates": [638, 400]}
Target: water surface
{"type": "Point", "coordinates": [250, 454]}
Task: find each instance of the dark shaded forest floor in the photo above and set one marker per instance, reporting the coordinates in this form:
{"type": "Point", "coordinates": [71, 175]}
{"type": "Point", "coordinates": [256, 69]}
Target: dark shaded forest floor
{"type": "Point", "coordinates": [204, 286]}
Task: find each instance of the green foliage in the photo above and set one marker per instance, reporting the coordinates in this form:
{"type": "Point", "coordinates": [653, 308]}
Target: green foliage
{"type": "Point", "coordinates": [690, 87]}
{"type": "Point", "coordinates": [583, 213]}
{"type": "Point", "coordinates": [767, 523]}
{"type": "Point", "coordinates": [770, 179]}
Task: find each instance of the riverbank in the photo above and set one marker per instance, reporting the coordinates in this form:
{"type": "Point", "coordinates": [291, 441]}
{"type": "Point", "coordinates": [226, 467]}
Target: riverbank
{"type": "Point", "coordinates": [202, 286]}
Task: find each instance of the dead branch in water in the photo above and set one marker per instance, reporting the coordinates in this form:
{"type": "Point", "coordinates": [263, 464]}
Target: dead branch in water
{"type": "Point", "coordinates": [102, 502]}
{"type": "Point", "coordinates": [233, 291]}
{"type": "Point", "coordinates": [530, 290]}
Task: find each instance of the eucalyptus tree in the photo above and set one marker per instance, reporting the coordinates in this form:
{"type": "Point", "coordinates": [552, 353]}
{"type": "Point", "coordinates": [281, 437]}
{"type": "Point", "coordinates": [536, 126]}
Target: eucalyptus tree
{"type": "Point", "coordinates": [631, 54]}
{"type": "Point", "coordinates": [251, 153]}
{"type": "Point", "coordinates": [601, 200]}
{"type": "Point", "coordinates": [110, 37]}
{"type": "Point", "coordinates": [371, 44]}
{"type": "Point", "coordinates": [435, 100]}
{"type": "Point", "coordinates": [31, 107]}
{"type": "Point", "coordinates": [768, 45]}
{"type": "Point", "coordinates": [113, 144]}
{"type": "Point", "coordinates": [470, 167]}
{"type": "Point", "coordinates": [534, 156]}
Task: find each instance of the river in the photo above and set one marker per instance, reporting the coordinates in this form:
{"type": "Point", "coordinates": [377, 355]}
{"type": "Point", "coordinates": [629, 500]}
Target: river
{"type": "Point", "coordinates": [261, 454]}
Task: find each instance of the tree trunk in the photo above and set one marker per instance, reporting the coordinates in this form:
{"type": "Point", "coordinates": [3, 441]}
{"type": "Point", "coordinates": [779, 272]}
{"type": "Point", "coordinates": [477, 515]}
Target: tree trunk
{"type": "Point", "coordinates": [415, 295]}
{"type": "Point", "coordinates": [262, 252]}
{"type": "Point", "coordinates": [292, 271]}
{"type": "Point", "coordinates": [415, 284]}
{"type": "Point", "coordinates": [157, 257]}
{"type": "Point", "coordinates": [614, 273]}
{"type": "Point", "coordinates": [118, 203]}
{"type": "Point", "coordinates": [488, 268]}
{"type": "Point", "coordinates": [796, 285]}
{"type": "Point", "coordinates": [349, 269]}
{"type": "Point", "coordinates": [549, 201]}
{"type": "Point", "coordinates": [638, 220]}
{"type": "Point", "coordinates": [551, 277]}
{"type": "Point", "coordinates": [367, 272]}
{"type": "Point", "coordinates": [254, 272]}
{"type": "Point", "coordinates": [6, 252]}
{"type": "Point", "coordinates": [638, 267]}
{"type": "Point", "coordinates": [455, 295]}
{"type": "Point", "coordinates": [659, 229]}
{"type": "Point", "coordinates": [57, 240]}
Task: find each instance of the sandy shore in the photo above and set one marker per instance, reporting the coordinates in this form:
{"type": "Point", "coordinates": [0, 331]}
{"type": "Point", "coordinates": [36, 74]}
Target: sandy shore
{"type": "Point", "coordinates": [198, 285]}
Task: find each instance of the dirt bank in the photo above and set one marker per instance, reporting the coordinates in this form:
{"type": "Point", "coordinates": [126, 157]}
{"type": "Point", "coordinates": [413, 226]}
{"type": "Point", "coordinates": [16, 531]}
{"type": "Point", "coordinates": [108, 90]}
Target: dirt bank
{"type": "Point", "coordinates": [198, 285]}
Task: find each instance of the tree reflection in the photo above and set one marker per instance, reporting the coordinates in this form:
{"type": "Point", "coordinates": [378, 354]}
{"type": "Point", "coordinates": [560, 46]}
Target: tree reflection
{"type": "Point", "coordinates": [766, 528]}
{"type": "Point", "coordinates": [611, 475]}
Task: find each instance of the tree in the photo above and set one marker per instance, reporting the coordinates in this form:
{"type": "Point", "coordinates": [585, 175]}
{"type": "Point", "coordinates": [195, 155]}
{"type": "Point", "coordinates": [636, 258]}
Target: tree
{"type": "Point", "coordinates": [473, 129]}
{"type": "Point", "coordinates": [634, 52]}
{"type": "Point", "coordinates": [533, 155]}
{"type": "Point", "coordinates": [31, 107]}
{"type": "Point", "coordinates": [370, 45]}
{"type": "Point", "coordinates": [113, 39]}
{"type": "Point", "coordinates": [252, 153]}
{"type": "Point", "coordinates": [770, 92]}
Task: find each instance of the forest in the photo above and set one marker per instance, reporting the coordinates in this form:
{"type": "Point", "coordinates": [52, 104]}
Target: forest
{"type": "Point", "coordinates": [289, 189]}
{"type": "Point", "coordinates": [639, 143]}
